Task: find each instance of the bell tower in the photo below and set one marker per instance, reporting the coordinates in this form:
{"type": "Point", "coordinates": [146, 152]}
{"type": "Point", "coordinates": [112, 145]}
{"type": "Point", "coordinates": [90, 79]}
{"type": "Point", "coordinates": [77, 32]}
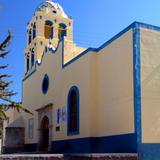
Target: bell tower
{"type": "Point", "coordinates": [48, 25]}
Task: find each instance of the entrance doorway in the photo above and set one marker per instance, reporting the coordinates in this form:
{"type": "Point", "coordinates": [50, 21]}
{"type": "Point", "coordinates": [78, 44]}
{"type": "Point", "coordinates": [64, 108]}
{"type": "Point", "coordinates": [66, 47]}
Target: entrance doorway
{"type": "Point", "coordinates": [44, 134]}
{"type": "Point", "coordinates": [45, 118]}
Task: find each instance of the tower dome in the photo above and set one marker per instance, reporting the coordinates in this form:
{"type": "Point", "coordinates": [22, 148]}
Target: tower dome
{"type": "Point", "coordinates": [51, 6]}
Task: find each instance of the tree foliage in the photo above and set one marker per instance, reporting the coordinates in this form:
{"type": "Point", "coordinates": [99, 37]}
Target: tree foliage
{"type": "Point", "coordinates": [5, 92]}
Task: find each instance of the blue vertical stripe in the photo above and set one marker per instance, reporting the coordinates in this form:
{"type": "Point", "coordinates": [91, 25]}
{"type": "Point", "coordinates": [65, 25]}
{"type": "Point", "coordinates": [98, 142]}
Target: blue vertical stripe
{"type": "Point", "coordinates": [137, 81]}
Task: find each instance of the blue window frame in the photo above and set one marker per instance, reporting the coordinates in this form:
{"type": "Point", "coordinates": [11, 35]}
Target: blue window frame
{"type": "Point", "coordinates": [45, 84]}
{"type": "Point", "coordinates": [73, 111]}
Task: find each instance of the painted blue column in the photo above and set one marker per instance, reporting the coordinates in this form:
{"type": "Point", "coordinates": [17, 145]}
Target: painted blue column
{"type": "Point", "coordinates": [137, 82]}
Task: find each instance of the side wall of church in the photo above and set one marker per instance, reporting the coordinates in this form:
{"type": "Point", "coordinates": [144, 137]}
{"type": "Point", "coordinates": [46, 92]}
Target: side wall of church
{"type": "Point", "coordinates": [115, 110]}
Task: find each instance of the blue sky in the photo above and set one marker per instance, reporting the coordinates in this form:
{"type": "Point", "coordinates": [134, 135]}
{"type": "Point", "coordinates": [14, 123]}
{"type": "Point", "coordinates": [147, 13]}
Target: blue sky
{"type": "Point", "coordinates": [95, 21]}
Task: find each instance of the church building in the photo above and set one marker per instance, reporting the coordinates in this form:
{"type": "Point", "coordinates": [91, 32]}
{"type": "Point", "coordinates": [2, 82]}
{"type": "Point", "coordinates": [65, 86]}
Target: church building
{"type": "Point", "coordinates": [94, 100]}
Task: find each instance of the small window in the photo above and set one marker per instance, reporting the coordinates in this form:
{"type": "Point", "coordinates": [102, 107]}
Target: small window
{"type": "Point", "coordinates": [55, 12]}
{"type": "Point", "coordinates": [34, 31]}
{"type": "Point", "coordinates": [45, 84]}
{"type": "Point", "coordinates": [27, 67]}
{"type": "Point", "coordinates": [32, 59]}
{"type": "Point", "coordinates": [57, 128]}
{"type": "Point", "coordinates": [46, 49]}
{"type": "Point", "coordinates": [30, 36]}
{"type": "Point", "coordinates": [73, 111]}
{"type": "Point", "coordinates": [48, 30]}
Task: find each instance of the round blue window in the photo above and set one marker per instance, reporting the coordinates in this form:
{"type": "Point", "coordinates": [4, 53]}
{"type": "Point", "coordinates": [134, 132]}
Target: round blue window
{"type": "Point", "coordinates": [45, 84]}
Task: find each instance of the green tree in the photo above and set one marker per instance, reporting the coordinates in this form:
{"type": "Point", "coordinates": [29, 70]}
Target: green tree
{"type": "Point", "coordinates": [5, 93]}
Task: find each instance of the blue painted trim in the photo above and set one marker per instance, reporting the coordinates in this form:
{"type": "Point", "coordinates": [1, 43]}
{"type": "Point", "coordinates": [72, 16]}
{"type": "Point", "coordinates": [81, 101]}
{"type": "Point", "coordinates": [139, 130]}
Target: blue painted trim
{"type": "Point", "coordinates": [137, 81]}
{"type": "Point", "coordinates": [116, 37]}
{"type": "Point", "coordinates": [45, 90]}
{"type": "Point", "coordinates": [76, 58]}
{"type": "Point", "coordinates": [148, 26]}
{"type": "Point", "coordinates": [28, 75]}
{"type": "Point", "coordinates": [109, 144]}
{"type": "Point", "coordinates": [73, 88]}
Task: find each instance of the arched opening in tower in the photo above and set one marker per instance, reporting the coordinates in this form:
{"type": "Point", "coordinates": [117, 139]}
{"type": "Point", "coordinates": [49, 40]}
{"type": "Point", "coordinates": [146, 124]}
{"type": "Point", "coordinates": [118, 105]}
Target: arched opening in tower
{"type": "Point", "coordinates": [48, 30]}
{"type": "Point", "coordinates": [62, 30]}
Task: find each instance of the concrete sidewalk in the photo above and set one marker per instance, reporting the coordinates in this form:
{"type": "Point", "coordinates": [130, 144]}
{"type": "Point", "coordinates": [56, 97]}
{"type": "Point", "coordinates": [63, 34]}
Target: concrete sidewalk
{"type": "Point", "coordinates": [69, 157]}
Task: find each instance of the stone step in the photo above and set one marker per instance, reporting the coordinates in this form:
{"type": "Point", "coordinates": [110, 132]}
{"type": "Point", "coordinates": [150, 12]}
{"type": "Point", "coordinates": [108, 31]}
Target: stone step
{"type": "Point", "coordinates": [70, 157]}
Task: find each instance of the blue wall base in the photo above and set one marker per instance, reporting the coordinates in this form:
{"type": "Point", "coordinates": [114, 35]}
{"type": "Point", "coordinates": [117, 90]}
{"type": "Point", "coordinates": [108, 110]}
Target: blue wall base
{"type": "Point", "coordinates": [109, 144]}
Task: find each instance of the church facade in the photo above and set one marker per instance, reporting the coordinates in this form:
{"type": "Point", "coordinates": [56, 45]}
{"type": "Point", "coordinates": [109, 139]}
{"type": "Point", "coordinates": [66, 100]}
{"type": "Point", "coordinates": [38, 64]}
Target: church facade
{"type": "Point", "coordinates": [95, 100]}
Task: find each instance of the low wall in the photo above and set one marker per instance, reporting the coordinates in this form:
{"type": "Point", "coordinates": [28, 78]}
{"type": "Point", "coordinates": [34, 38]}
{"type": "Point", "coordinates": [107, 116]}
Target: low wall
{"type": "Point", "coordinates": [14, 137]}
